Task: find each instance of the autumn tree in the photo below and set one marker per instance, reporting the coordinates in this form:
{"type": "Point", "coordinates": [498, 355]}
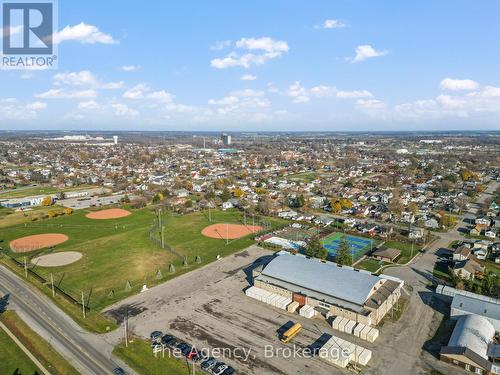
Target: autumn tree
{"type": "Point", "coordinates": [343, 256]}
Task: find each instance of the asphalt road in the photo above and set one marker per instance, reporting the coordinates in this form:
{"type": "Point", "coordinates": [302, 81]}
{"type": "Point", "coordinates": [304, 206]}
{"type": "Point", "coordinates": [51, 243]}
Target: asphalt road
{"type": "Point", "coordinates": [88, 353]}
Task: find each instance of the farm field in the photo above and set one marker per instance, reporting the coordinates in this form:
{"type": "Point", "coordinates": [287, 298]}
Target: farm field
{"type": "Point", "coordinates": [119, 256]}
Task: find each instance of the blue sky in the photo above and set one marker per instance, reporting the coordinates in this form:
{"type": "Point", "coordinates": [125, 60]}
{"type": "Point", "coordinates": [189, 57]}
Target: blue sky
{"type": "Point", "coordinates": [264, 65]}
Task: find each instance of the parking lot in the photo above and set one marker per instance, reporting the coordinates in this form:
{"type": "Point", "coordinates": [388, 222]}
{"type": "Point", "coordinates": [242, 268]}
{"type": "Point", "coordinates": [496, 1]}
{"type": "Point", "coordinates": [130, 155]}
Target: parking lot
{"type": "Point", "coordinates": [208, 309]}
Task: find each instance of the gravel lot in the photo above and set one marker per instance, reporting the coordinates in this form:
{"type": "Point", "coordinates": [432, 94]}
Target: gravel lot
{"type": "Point", "coordinates": [208, 308]}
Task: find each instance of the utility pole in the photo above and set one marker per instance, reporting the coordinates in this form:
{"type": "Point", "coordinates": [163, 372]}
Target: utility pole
{"type": "Point", "coordinates": [25, 268]}
{"type": "Point", "coordinates": [126, 328]}
{"type": "Point", "coordinates": [209, 213]}
{"type": "Point", "coordinates": [52, 282]}
{"type": "Point", "coordinates": [245, 215]}
{"type": "Point", "coordinates": [162, 237]}
{"type": "Point", "coordinates": [83, 306]}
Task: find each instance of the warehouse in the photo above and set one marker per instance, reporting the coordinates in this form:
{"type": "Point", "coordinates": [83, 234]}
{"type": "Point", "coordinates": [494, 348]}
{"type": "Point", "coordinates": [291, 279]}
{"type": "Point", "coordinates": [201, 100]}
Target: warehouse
{"type": "Point", "coordinates": [470, 344]}
{"type": "Point", "coordinates": [329, 288]}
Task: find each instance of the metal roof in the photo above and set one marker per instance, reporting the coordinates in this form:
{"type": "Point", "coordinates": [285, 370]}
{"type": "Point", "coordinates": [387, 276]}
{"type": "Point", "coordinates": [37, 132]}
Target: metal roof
{"type": "Point", "coordinates": [324, 277]}
{"type": "Point", "coordinates": [473, 332]}
{"type": "Point", "coordinates": [469, 305]}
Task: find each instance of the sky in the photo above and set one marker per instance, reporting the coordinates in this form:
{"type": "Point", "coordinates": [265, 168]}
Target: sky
{"type": "Point", "coordinates": [264, 65]}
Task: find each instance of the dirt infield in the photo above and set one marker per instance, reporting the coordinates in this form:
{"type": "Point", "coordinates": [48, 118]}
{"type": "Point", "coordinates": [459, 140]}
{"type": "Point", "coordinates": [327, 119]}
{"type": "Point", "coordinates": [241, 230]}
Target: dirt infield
{"type": "Point", "coordinates": [229, 231]}
{"type": "Point", "coordinates": [112, 213]}
{"type": "Point", "coordinates": [57, 259]}
{"type": "Point", "coordinates": [37, 241]}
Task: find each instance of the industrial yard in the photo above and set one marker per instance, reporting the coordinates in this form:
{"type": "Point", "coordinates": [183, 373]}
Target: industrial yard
{"type": "Point", "coordinates": [208, 308]}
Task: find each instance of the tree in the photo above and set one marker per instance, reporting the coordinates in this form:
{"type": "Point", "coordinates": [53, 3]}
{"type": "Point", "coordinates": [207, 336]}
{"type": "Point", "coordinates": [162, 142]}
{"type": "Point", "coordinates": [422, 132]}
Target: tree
{"type": "Point", "coordinates": [68, 210]}
{"type": "Point", "coordinates": [226, 195]}
{"type": "Point", "coordinates": [336, 207]}
{"type": "Point", "coordinates": [346, 203]}
{"type": "Point", "coordinates": [343, 256]}
{"type": "Point", "coordinates": [315, 249]}
{"type": "Point", "coordinates": [238, 193]}
{"type": "Point", "coordinates": [47, 201]}
{"type": "Point", "coordinates": [413, 207]}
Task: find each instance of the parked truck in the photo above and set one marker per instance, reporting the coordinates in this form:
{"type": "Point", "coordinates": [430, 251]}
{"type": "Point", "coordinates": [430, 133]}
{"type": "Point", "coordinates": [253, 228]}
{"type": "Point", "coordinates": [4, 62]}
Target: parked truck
{"type": "Point", "coordinates": [291, 333]}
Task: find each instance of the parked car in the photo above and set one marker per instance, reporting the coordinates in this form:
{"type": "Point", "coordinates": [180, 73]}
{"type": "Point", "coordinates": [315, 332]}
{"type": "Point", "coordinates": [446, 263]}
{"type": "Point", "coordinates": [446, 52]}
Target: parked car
{"type": "Point", "coordinates": [208, 364]}
{"type": "Point", "coordinates": [229, 371]}
{"type": "Point", "coordinates": [219, 368]}
{"type": "Point", "coordinates": [156, 336]}
{"type": "Point", "coordinates": [166, 339]}
{"type": "Point", "coordinates": [119, 371]}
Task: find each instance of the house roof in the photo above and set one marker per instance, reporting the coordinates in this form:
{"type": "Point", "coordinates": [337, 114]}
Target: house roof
{"type": "Point", "coordinates": [487, 309]}
{"type": "Point", "coordinates": [389, 253]}
{"type": "Point", "coordinates": [325, 278]}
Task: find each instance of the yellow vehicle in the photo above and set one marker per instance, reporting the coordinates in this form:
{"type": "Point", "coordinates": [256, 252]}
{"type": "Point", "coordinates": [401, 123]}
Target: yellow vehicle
{"type": "Point", "coordinates": [291, 333]}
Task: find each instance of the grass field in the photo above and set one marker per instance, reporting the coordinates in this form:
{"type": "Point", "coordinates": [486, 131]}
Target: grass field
{"type": "Point", "coordinates": [40, 348]}
{"type": "Point", "coordinates": [13, 359]}
{"type": "Point", "coordinates": [119, 251]}
{"type": "Point", "coordinates": [140, 357]}
{"type": "Point", "coordinates": [358, 245]}
{"type": "Point", "coordinates": [370, 264]}
{"type": "Point", "coordinates": [405, 248]}
{"type": "Point", "coordinates": [39, 190]}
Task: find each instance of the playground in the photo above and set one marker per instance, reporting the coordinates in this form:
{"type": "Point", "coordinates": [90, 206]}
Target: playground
{"type": "Point", "coordinates": [357, 245]}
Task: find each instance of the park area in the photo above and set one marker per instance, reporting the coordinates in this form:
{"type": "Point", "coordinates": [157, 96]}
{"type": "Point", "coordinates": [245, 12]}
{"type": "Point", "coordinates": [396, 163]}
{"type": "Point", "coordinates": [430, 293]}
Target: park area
{"type": "Point", "coordinates": [358, 246]}
{"type": "Point", "coordinates": [113, 258]}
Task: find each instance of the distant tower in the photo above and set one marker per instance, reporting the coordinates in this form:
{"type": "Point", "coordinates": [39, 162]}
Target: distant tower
{"type": "Point", "coordinates": [115, 139]}
{"type": "Point", "coordinates": [226, 139]}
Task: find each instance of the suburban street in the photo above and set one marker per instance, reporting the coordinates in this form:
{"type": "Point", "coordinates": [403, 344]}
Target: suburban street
{"type": "Point", "coordinates": [89, 353]}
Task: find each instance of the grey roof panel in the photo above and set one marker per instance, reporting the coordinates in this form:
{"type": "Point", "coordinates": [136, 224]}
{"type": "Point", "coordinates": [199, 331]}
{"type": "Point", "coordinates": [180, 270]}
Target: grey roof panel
{"type": "Point", "coordinates": [323, 277]}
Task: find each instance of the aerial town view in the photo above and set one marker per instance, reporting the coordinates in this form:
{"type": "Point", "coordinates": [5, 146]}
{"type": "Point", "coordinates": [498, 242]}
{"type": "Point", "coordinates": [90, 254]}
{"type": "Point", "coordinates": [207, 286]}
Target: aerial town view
{"type": "Point", "coordinates": [250, 188]}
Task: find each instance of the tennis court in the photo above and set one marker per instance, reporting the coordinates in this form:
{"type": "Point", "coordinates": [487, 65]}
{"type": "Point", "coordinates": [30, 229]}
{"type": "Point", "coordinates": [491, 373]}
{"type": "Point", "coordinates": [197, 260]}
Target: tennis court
{"type": "Point", "coordinates": [357, 245]}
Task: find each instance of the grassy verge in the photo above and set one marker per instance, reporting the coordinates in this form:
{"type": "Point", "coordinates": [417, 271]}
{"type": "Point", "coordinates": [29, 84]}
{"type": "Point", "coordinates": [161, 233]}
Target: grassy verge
{"type": "Point", "coordinates": [41, 190]}
{"type": "Point", "coordinates": [40, 348]}
{"type": "Point", "coordinates": [370, 264]}
{"type": "Point", "coordinates": [139, 356]}
{"type": "Point", "coordinates": [405, 248]}
{"type": "Point", "coordinates": [12, 358]}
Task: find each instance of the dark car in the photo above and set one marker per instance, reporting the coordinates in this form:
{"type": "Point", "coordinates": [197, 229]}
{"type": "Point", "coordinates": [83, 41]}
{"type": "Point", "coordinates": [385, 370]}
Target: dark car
{"type": "Point", "coordinates": [118, 371]}
{"type": "Point", "coordinates": [208, 364]}
{"type": "Point", "coordinates": [156, 336]}
{"type": "Point", "coordinates": [166, 338]}
{"type": "Point", "coordinates": [229, 371]}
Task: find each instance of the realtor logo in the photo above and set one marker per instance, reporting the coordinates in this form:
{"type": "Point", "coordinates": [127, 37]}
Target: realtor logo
{"type": "Point", "coordinates": [27, 35]}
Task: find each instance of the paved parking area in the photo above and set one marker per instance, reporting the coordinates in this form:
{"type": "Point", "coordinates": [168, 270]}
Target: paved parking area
{"type": "Point", "coordinates": [208, 308]}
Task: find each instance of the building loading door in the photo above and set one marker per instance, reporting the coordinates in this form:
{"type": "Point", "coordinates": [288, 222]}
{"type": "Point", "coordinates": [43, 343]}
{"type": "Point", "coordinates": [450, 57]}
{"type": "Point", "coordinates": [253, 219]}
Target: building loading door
{"type": "Point", "coordinates": [300, 298]}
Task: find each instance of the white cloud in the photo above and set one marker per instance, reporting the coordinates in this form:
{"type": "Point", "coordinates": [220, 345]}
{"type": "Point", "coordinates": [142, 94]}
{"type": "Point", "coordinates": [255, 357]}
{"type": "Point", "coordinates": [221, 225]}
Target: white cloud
{"type": "Point", "coordinates": [458, 84]}
{"type": "Point", "coordinates": [65, 94]}
{"type": "Point", "coordinates": [83, 33]}
{"type": "Point", "coordinates": [370, 104]}
{"type": "Point", "coordinates": [490, 92]}
{"type": "Point", "coordinates": [123, 110]}
{"type": "Point", "coordinates": [83, 78]}
{"type": "Point", "coordinates": [227, 100]}
{"type": "Point", "coordinates": [300, 94]}
{"type": "Point", "coordinates": [268, 49]}
{"type": "Point", "coordinates": [220, 45]}
{"type": "Point", "coordinates": [332, 24]}
{"type": "Point", "coordinates": [36, 105]}
{"type": "Point", "coordinates": [136, 92]}
{"type": "Point", "coordinates": [355, 94]}
{"type": "Point", "coordinates": [366, 51]}
{"type": "Point", "coordinates": [91, 104]}
{"type": "Point", "coordinates": [248, 77]}
{"type": "Point", "coordinates": [162, 96]}
{"type": "Point", "coordinates": [130, 68]}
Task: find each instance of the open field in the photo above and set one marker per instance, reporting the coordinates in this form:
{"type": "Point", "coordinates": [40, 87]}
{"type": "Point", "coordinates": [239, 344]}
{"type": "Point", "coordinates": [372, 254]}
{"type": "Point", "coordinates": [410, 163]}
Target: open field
{"type": "Point", "coordinates": [138, 356]}
{"type": "Point", "coordinates": [37, 241]}
{"type": "Point", "coordinates": [406, 250]}
{"type": "Point", "coordinates": [118, 255]}
{"type": "Point", "coordinates": [229, 231]}
{"type": "Point", "coordinates": [11, 357]}
{"type": "Point", "coordinates": [370, 264]}
{"type": "Point", "coordinates": [40, 190]}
